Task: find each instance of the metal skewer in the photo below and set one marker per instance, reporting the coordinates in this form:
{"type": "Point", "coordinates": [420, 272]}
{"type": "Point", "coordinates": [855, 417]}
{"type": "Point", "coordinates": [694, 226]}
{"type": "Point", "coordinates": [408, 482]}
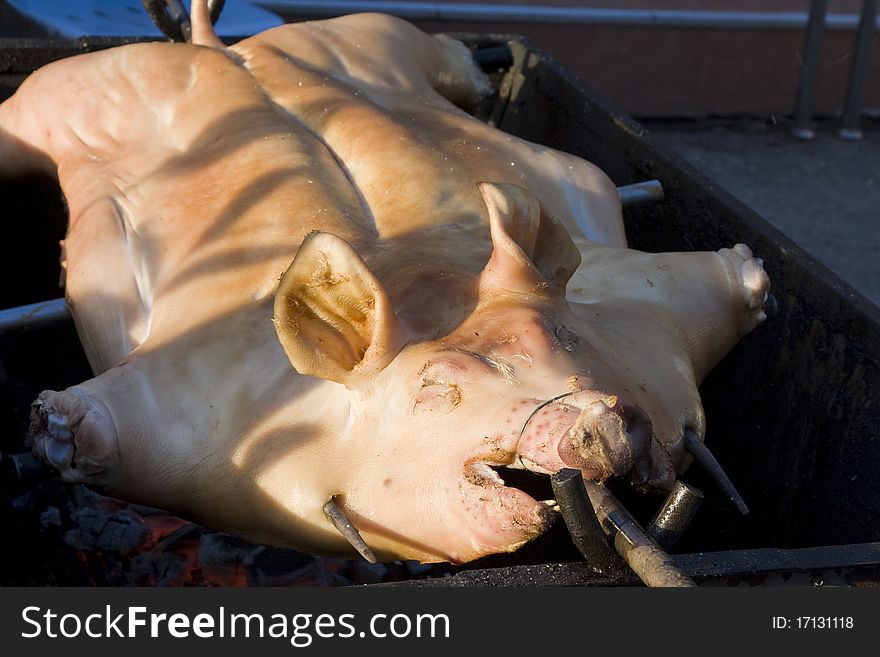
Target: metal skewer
{"type": "Point", "coordinates": [337, 516]}
{"type": "Point", "coordinates": [25, 469]}
{"type": "Point", "coordinates": [707, 460]}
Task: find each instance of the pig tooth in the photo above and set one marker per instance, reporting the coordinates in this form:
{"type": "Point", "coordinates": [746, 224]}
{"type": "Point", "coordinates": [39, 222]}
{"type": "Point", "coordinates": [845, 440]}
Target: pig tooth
{"type": "Point", "coordinates": [551, 505]}
{"type": "Point", "coordinates": [337, 516]}
{"type": "Point", "coordinates": [525, 463]}
{"type": "Point", "coordinates": [483, 471]}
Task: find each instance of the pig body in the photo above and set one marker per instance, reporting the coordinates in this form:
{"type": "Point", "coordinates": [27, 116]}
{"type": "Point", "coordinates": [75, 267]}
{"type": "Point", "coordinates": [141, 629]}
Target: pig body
{"type": "Point", "coordinates": [451, 298]}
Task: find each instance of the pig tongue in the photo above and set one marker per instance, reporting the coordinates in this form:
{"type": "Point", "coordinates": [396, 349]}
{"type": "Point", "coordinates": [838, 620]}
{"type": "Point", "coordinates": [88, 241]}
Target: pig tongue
{"type": "Point", "coordinates": [594, 439]}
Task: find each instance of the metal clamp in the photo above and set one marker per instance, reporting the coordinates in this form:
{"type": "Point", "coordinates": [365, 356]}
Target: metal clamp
{"type": "Point", "coordinates": [597, 520]}
{"type": "Point", "coordinates": [172, 18]}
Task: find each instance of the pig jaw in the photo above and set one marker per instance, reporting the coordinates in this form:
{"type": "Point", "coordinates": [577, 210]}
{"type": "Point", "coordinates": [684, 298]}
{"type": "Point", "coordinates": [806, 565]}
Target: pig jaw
{"type": "Point", "coordinates": [601, 437]}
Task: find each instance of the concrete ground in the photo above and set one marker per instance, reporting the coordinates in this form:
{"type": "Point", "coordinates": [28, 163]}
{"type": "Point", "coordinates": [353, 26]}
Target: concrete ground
{"type": "Point", "coordinates": [824, 194]}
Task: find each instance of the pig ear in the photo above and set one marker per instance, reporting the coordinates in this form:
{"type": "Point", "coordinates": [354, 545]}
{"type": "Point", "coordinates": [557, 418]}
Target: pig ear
{"type": "Point", "coordinates": [528, 244]}
{"type": "Point", "coordinates": [332, 315]}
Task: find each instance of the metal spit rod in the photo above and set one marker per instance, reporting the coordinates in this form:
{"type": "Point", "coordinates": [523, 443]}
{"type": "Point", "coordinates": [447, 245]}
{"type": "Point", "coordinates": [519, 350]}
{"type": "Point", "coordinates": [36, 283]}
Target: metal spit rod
{"type": "Point", "coordinates": [581, 521]}
{"type": "Point", "coordinates": [35, 315]}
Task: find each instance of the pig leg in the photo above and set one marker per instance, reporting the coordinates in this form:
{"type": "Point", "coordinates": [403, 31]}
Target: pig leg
{"type": "Point", "coordinates": [377, 50]}
{"type": "Point", "coordinates": [107, 287]}
{"type": "Point", "coordinates": [33, 132]}
{"type": "Point", "coordinates": [74, 430]}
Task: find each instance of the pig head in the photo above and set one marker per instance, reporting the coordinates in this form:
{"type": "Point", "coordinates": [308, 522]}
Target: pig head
{"type": "Point", "coordinates": [453, 375]}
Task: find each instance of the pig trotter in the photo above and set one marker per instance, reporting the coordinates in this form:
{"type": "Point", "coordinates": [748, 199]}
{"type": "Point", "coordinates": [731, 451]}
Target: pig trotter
{"type": "Point", "coordinates": [73, 432]}
{"type": "Point", "coordinates": [336, 515]}
{"type": "Point", "coordinates": [705, 458]}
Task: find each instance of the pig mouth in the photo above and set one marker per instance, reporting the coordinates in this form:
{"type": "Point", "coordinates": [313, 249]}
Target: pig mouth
{"type": "Point", "coordinates": [509, 490]}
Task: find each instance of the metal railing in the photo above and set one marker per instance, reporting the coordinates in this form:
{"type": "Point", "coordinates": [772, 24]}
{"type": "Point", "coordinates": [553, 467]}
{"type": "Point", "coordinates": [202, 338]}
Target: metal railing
{"type": "Point", "coordinates": [850, 123]}
{"type": "Point", "coordinates": [815, 23]}
{"type": "Point", "coordinates": [493, 13]}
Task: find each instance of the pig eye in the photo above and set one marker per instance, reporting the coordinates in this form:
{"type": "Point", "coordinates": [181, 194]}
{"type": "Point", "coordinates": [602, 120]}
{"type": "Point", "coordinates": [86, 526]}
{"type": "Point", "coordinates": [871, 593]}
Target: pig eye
{"type": "Point", "coordinates": [437, 388]}
{"type": "Point", "coordinates": [434, 395]}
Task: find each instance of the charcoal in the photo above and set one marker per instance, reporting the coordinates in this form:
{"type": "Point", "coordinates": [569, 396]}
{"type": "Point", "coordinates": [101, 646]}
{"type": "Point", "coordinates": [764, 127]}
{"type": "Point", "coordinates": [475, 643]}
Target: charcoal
{"type": "Point", "coordinates": [23, 504]}
{"type": "Point", "coordinates": [363, 572]}
{"type": "Point", "coordinates": [267, 566]}
{"type": "Point", "coordinates": [221, 559]}
{"type": "Point", "coordinates": [50, 517]}
{"type": "Point", "coordinates": [417, 569]}
{"type": "Point", "coordinates": [102, 530]}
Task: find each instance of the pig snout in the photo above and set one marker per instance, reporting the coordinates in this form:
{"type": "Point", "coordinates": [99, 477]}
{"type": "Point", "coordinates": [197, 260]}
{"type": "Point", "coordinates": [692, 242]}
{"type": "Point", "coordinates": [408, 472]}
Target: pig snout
{"type": "Point", "coordinates": [601, 436]}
